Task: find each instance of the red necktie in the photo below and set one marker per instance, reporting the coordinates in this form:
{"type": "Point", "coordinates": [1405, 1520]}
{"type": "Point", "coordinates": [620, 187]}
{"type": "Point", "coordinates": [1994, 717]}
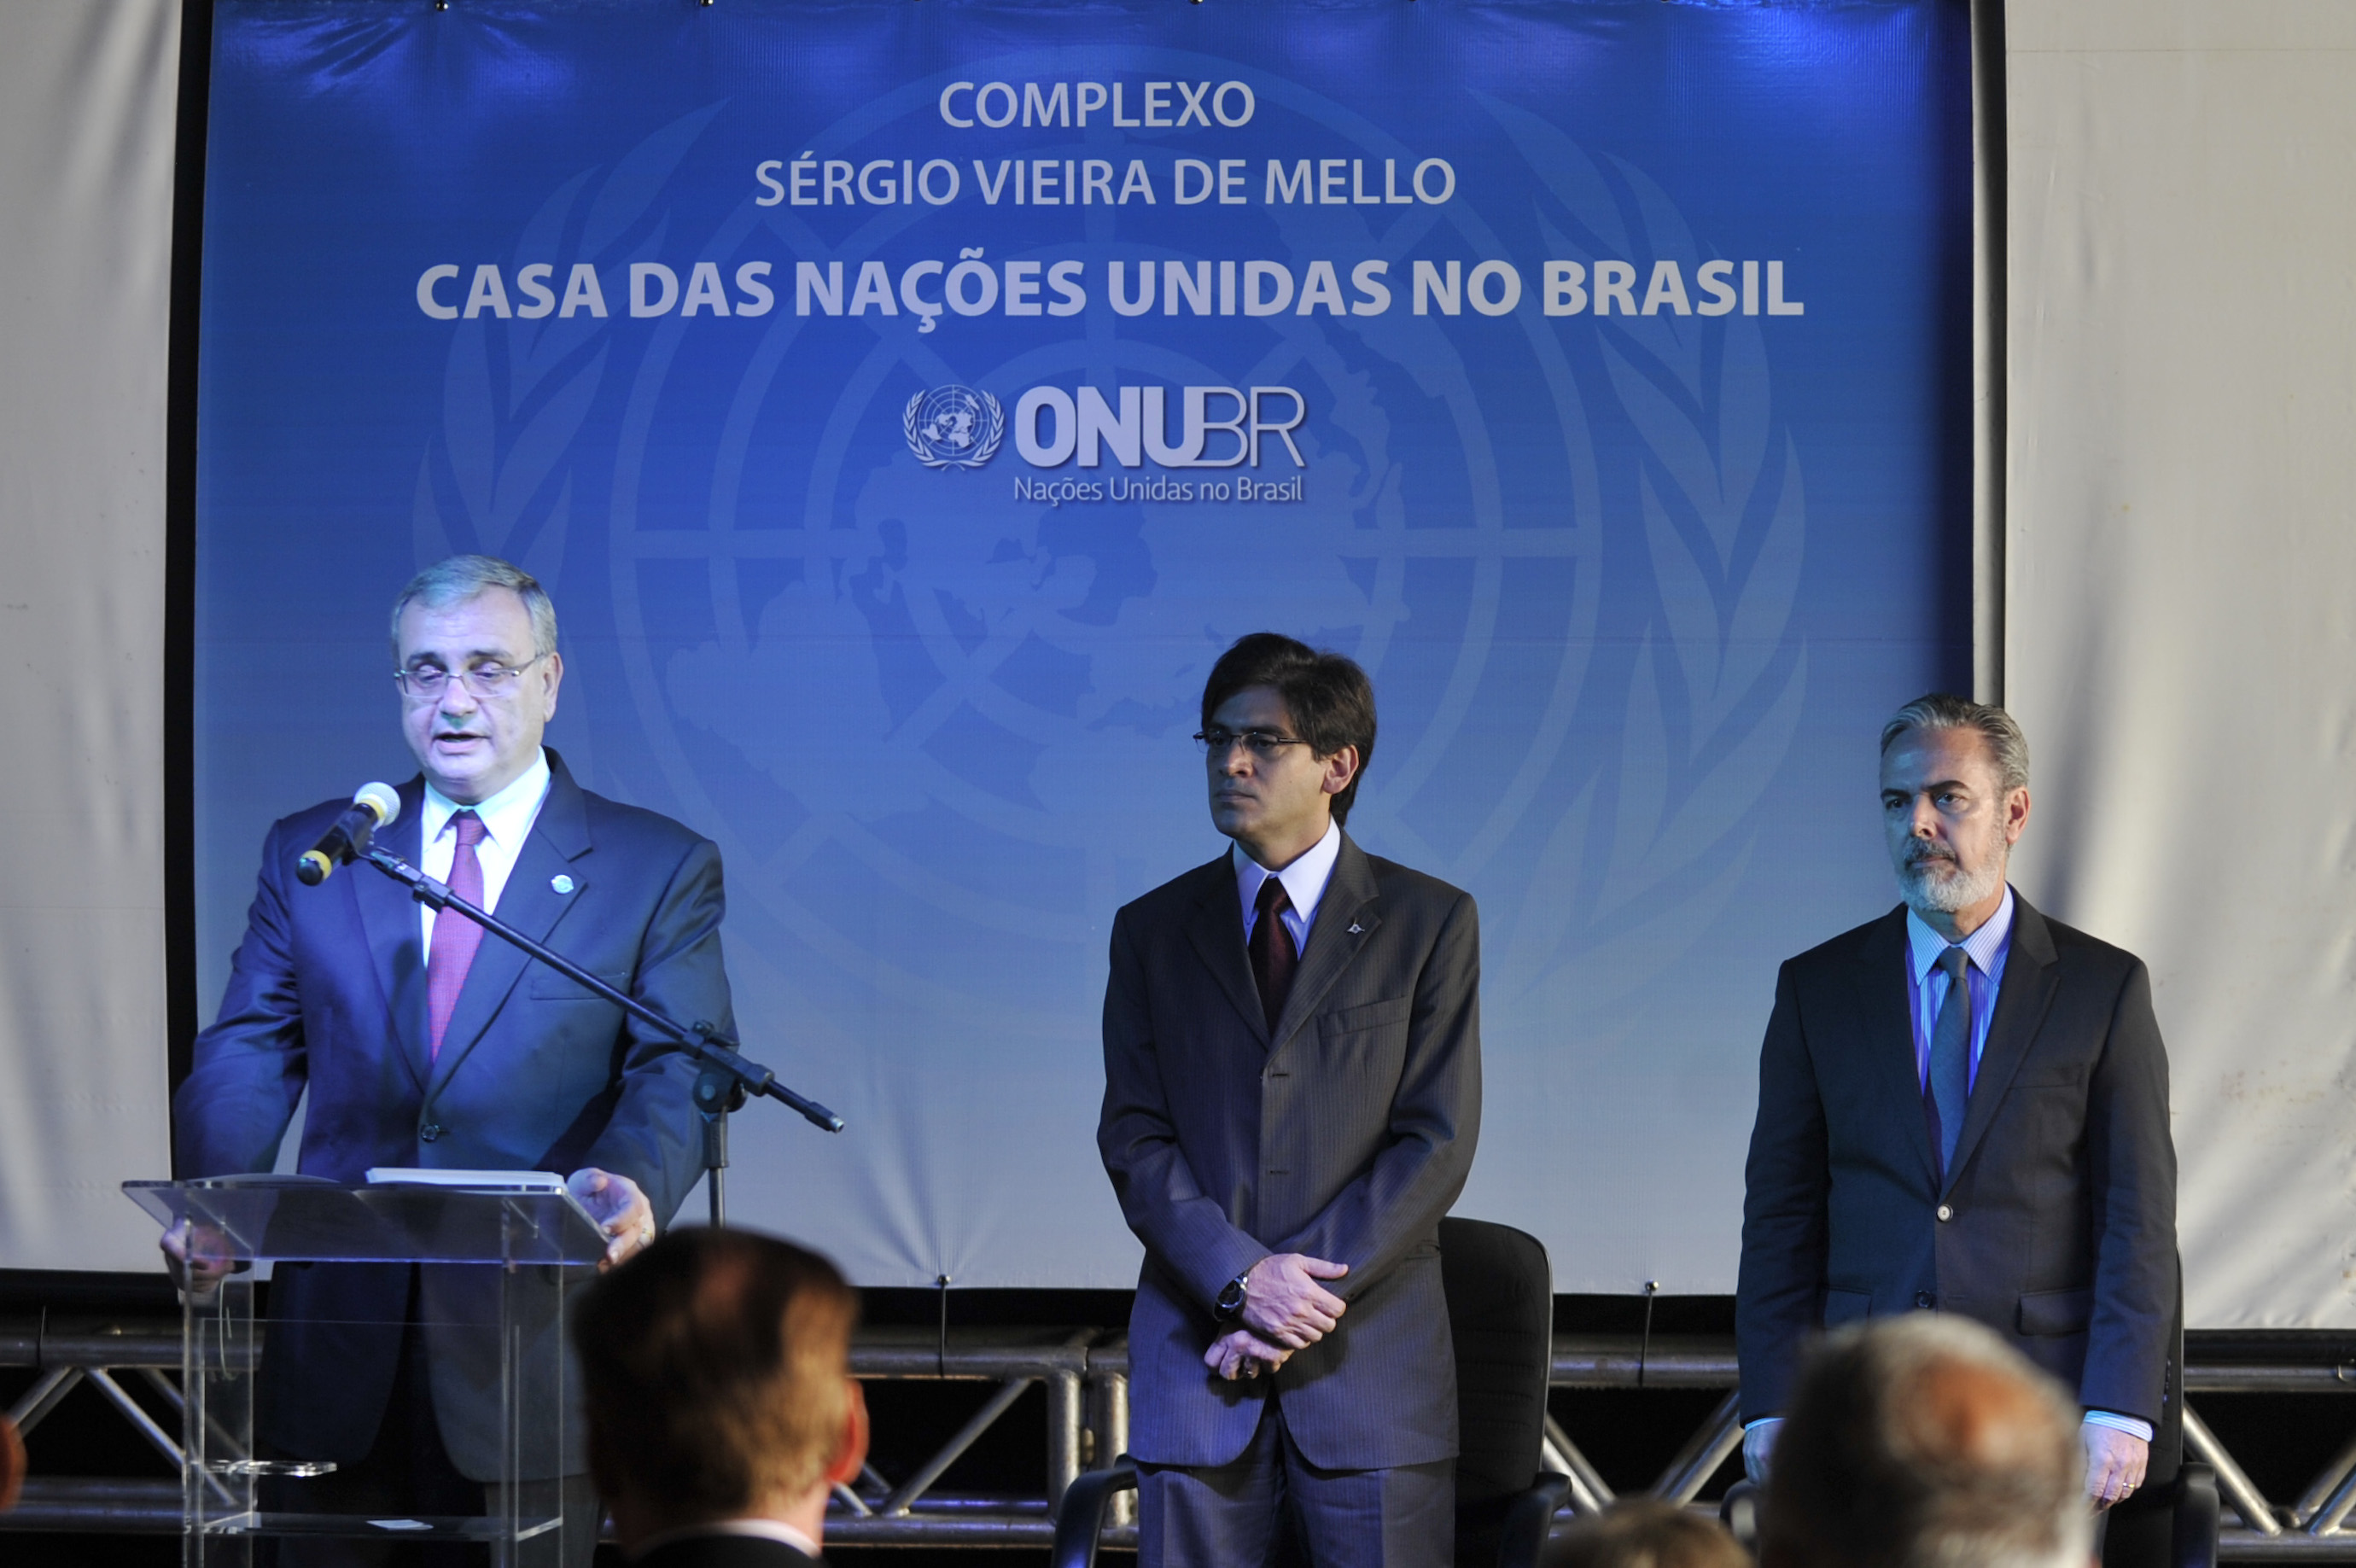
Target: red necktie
{"type": "Point", "coordinates": [1273, 956]}
{"type": "Point", "coordinates": [455, 936]}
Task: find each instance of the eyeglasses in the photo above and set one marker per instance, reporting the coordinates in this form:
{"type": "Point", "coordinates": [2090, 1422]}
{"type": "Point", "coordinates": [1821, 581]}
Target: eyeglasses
{"type": "Point", "coordinates": [482, 679]}
{"type": "Point", "coordinates": [1263, 744]}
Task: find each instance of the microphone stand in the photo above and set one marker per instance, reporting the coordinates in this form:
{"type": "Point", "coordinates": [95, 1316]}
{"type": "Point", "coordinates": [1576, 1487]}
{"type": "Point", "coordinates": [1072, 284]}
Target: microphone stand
{"type": "Point", "coordinates": [727, 1079]}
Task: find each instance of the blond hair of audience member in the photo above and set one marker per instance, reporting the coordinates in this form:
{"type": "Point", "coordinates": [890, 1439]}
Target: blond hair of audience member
{"type": "Point", "coordinates": [1924, 1441]}
{"type": "Point", "coordinates": [716, 1365]}
{"type": "Point", "coordinates": [1646, 1532]}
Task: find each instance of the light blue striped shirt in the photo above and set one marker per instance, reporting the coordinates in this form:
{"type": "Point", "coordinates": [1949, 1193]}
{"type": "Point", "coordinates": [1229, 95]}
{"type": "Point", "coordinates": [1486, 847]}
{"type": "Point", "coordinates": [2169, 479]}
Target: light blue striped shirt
{"type": "Point", "coordinates": [1926, 983]}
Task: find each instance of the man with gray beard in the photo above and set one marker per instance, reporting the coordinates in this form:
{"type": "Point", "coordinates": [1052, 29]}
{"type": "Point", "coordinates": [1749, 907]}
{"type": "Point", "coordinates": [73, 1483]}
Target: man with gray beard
{"type": "Point", "coordinates": [1962, 1108]}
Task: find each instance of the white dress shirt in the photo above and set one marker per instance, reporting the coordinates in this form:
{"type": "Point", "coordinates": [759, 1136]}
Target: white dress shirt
{"type": "Point", "coordinates": [767, 1529]}
{"type": "Point", "coordinates": [1304, 883]}
{"type": "Point", "coordinates": [506, 818]}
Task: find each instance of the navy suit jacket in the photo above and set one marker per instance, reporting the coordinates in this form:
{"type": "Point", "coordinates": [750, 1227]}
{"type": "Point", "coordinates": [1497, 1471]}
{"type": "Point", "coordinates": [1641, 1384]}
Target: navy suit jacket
{"type": "Point", "coordinates": [1345, 1134]}
{"type": "Point", "coordinates": [535, 1073]}
{"type": "Point", "coordinates": [2056, 1223]}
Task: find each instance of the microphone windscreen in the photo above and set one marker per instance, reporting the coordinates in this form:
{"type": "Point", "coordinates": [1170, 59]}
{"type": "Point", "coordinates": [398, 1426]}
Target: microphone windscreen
{"type": "Point", "coordinates": [380, 799]}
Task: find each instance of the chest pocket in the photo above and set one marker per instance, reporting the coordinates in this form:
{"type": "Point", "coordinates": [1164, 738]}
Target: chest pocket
{"type": "Point", "coordinates": [1345, 1021]}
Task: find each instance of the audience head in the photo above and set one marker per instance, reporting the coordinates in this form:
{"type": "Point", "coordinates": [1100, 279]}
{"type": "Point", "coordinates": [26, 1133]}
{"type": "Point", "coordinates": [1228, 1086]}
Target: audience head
{"type": "Point", "coordinates": [716, 1365]}
{"type": "Point", "coordinates": [1646, 1532]}
{"type": "Point", "coordinates": [12, 1464]}
{"type": "Point", "coordinates": [1926, 1442]}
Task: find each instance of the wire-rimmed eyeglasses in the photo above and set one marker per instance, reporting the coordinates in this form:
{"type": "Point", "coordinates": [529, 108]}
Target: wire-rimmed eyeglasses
{"type": "Point", "coordinates": [1264, 745]}
{"type": "Point", "coordinates": [482, 681]}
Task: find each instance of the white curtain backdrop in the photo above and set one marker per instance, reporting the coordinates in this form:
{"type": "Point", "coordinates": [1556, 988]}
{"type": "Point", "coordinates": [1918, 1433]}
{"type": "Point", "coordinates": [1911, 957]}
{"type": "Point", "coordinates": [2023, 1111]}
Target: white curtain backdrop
{"type": "Point", "coordinates": [2181, 551]}
{"type": "Point", "coordinates": [87, 93]}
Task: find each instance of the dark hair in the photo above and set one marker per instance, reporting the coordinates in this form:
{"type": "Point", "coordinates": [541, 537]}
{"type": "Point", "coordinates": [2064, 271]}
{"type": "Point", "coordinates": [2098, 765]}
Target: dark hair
{"type": "Point", "coordinates": [1645, 1533]}
{"type": "Point", "coordinates": [716, 1369]}
{"type": "Point", "coordinates": [1329, 698]}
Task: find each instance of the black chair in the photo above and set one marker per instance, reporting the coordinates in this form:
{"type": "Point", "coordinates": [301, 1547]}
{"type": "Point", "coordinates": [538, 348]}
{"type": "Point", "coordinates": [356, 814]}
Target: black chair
{"type": "Point", "coordinates": [1501, 1315]}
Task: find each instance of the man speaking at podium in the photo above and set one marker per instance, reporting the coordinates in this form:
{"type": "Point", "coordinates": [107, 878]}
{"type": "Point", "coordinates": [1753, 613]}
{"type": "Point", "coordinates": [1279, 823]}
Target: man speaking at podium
{"type": "Point", "coordinates": [1293, 1091]}
{"type": "Point", "coordinates": [425, 1041]}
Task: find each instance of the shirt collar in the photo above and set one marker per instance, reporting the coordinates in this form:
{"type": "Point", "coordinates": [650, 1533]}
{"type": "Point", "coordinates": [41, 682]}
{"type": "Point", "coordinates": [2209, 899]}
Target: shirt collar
{"type": "Point", "coordinates": [1982, 946]}
{"type": "Point", "coordinates": [506, 815]}
{"type": "Point", "coordinates": [765, 1529]}
{"type": "Point", "coordinates": [1304, 881]}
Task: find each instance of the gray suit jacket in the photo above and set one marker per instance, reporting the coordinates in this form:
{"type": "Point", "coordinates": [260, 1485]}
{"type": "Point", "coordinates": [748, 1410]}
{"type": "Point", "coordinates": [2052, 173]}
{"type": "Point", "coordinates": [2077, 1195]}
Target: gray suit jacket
{"type": "Point", "coordinates": [2056, 1225]}
{"type": "Point", "coordinates": [1345, 1134]}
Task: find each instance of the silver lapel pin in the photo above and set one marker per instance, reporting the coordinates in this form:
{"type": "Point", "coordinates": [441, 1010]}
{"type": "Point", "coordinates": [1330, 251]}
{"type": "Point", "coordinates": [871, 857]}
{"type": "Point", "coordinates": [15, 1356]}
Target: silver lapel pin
{"type": "Point", "coordinates": [1357, 930]}
{"type": "Point", "coordinates": [561, 882]}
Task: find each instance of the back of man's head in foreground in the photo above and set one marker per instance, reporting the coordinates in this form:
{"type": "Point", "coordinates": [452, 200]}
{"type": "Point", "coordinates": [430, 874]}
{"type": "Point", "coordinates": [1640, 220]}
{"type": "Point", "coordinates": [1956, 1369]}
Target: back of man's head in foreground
{"type": "Point", "coordinates": [716, 1365]}
{"type": "Point", "coordinates": [1645, 1533]}
{"type": "Point", "coordinates": [1926, 1442]}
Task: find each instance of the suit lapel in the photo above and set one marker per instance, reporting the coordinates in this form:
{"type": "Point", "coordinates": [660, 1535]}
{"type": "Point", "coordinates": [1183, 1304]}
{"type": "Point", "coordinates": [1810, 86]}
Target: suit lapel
{"type": "Point", "coordinates": [559, 835]}
{"type": "Point", "coordinates": [1346, 917]}
{"type": "Point", "coordinates": [2031, 978]}
{"type": "Point", "coordinates": [389, 915]}
{"type": "Point", "coordinates": [1889, 1034]}
{"type": "Point", "coordinates": [1216, 927]}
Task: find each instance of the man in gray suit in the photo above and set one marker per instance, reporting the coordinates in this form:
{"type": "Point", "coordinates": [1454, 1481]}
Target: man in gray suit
{"type": "Point", "coordinates": [1963, 1107]}
{"type": "Point", "coordinates": [1293, 1091]}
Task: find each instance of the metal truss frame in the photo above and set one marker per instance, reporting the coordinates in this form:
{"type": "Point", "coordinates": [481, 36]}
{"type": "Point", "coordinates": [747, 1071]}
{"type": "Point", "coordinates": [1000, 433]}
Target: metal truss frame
{"type": "Point", "coordinates": [1085, 1373]}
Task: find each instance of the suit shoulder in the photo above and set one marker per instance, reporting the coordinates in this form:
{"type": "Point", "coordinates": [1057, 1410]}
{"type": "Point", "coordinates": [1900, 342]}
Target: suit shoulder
{"type": "Point", "coordinates": [1408, 885]}
{"type": "Point", "coordinates": [2082, 950]}
{"type": "Point", "coordinates": [311, 821]}
{"type": "Point", "coordinates": [1175, 896]}
{"type": "Point", "coordinates": [1844, 951]}
{"type": "Point", "coordinates": [648, 828]}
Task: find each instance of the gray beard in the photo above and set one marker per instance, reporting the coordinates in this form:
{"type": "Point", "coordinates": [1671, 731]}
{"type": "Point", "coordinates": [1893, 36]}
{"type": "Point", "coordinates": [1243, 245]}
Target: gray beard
{"type": "Point", "coordinates": [1927, 895]}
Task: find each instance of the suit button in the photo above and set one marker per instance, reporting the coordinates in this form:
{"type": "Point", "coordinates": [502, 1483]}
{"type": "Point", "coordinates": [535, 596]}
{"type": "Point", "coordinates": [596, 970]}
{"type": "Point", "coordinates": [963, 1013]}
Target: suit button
{"type": "Point", "coordinates": [1945, 1213]}
{"type": "Point", "coordinates": [1925, 1300]}
{"type": "Point", "coordinates": [430, 1131]}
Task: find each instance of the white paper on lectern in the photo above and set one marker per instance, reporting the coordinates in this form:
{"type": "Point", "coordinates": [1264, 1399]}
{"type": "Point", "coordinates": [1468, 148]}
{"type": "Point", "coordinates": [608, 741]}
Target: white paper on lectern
{"type": "Point", "coordinates": [474, 1181]}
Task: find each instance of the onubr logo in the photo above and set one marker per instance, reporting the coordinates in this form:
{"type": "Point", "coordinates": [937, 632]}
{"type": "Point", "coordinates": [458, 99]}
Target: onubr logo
{"type": "Point", "coordinates": [953, 427]}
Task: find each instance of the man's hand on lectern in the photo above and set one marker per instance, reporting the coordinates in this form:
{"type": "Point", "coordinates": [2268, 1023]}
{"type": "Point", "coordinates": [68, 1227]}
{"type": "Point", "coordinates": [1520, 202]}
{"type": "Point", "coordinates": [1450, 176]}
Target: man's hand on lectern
{"type": "Point", "coordinates": [1240, 1353]}
{"type": "Point", "coordinates": [197, 1257]}
{"type": "Point", "coordinates": [620, 1210]}
{"type": "Point", "coordinates": [1283, 1302]}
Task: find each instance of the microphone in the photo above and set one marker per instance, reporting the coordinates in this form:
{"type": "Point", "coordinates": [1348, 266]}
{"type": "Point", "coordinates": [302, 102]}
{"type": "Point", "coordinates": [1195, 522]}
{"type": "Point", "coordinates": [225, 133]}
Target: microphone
{"type": "Point", "coordinates": [373, 806]}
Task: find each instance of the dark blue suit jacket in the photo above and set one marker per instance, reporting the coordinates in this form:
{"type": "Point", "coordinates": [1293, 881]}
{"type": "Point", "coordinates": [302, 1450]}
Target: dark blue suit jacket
{"type": "Point", "coordinates": [2056, 1224]}
{"type": "Point", "coordinates": [328, 990]}
{"type": "Point", "coordinates": [1346, 1133]}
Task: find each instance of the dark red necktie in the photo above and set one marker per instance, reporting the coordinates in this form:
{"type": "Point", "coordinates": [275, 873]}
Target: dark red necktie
{"type": "Point", "coordinates": [1273, 956]}
{"type": "Point", "coordinates": [455, 936]}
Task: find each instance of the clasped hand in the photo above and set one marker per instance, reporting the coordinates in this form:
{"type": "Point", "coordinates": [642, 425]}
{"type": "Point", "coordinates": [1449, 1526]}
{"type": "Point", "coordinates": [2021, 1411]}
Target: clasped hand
{"type": "Point", "coordinates": [1285, 1309]}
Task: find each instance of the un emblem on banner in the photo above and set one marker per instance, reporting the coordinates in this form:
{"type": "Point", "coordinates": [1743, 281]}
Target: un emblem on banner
{"type": "Point", "coordinates": [953, 427]}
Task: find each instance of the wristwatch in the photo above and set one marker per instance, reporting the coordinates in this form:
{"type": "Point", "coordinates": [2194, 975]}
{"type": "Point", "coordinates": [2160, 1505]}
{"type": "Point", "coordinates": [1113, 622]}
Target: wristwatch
{"type": "Point", "coordinates": [1230, 1304]}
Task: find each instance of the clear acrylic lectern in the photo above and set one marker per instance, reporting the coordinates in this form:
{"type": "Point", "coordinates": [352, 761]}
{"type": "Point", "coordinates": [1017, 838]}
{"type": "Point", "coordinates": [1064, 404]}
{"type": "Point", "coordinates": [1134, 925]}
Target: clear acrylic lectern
{"type": "Point", "coordinates": [270, 1400]}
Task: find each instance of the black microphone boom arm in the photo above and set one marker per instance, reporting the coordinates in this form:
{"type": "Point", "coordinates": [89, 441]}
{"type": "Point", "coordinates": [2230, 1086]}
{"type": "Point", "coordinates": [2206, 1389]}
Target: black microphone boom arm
{"type": "Point", "coordinates": [716, 1050]}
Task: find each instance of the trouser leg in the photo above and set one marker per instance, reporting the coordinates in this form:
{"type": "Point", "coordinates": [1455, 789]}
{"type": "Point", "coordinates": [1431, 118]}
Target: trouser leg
{"type": "Point", "coordinates": [2141, 1531]}
{"type": "Point", "coordinates": [1400, 1517]}
{"type": "Point", "coordinates": [1220, 1516]}
{"type": "Point", "coordinates": [407, 1473]}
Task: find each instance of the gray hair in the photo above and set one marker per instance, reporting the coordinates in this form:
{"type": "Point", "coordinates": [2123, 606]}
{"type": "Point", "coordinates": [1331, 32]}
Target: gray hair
{"type": "Point", "coordinates": [1942, 710]}
{"type": "Point", "coordinates": [1923, 1441]}
{"type": "Point", "coordinates": [460, 577]}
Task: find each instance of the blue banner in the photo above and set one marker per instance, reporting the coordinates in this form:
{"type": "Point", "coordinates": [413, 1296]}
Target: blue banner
{"type": "Point", "coordinates": [905, 405]}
